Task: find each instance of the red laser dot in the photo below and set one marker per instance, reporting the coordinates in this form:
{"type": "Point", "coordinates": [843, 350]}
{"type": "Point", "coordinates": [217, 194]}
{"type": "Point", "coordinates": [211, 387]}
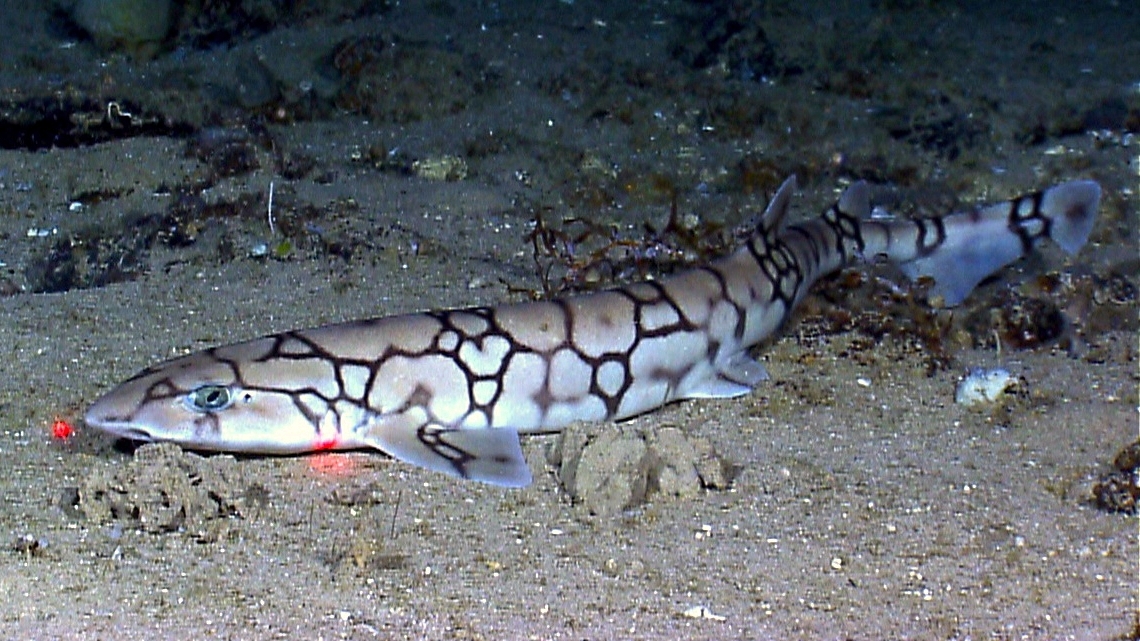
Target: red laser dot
{"type": "Point", "coordinates": [331, 464]}
{"type": "Point", "coordinates": [61, 430]}
{"type": "Point", "coordinates": [325, 445]}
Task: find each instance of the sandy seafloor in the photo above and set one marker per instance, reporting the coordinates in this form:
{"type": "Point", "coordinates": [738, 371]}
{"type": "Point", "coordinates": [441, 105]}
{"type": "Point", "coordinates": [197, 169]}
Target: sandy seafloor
{"type": "Point", "coordinates": [865, 503]}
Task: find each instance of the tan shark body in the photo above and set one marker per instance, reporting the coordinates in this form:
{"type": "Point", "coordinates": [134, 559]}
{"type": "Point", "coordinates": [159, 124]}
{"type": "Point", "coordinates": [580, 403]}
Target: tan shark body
{"type": "Point", "coordinates": [452, 390]}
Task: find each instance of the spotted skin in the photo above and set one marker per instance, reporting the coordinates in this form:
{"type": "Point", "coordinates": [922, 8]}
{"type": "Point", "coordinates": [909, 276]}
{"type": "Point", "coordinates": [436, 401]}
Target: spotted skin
{"type": "Point", "coordinates": [451, 390]}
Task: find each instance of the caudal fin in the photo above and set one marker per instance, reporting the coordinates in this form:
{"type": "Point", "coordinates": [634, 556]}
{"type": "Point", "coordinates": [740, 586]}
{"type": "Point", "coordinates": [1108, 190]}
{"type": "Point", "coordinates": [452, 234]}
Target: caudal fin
{"type": "Point", "coordinates": [1071, 210]}
{"type": "Point", "coordinates": [961, 250]}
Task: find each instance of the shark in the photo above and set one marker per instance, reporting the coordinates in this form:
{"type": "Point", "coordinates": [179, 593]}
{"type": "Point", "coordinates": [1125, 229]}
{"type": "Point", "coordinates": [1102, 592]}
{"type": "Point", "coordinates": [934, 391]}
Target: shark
{"type": "Point", "coordinates": [452, 390]}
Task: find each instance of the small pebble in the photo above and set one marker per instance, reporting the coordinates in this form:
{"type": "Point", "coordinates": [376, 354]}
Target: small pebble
{"type": "Point", "coordinates": [983, 386]}
{"type": "Point", "coordinates": [701, 612]}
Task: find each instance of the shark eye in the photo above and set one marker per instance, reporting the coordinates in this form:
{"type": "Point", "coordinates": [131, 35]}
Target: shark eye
{"type": "Point", "coordinates": [209, 398]}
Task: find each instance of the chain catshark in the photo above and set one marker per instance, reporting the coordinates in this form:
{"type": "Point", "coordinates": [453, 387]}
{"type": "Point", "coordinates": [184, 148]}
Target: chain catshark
{"type": "Point", "coordinates": [452, 390]}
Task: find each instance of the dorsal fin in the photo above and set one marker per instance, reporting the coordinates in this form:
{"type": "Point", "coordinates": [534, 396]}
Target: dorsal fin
{"type": "Point", "coordinates": [856, 201]}
{"type": "Point", "coordinates": [773, 220]}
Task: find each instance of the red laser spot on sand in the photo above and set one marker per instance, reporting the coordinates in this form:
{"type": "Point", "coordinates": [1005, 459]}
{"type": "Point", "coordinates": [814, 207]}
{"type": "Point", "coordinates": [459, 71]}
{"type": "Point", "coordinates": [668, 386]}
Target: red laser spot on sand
{"type": "Point", "coordinates": [61, 430]}
{"type": "Point", "coordinates": [332, 464]}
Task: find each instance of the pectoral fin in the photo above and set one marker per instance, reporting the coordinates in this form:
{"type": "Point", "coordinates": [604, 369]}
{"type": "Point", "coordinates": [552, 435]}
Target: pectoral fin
{"type": "Point", "coordinates": [490, 455]}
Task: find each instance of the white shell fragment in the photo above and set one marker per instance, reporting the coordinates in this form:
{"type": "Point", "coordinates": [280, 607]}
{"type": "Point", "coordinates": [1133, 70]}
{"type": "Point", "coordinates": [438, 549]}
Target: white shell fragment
{"type": "Point", "coordinates": [983, 386]}
{"type": "Point", "coordinates": [701, 612]}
